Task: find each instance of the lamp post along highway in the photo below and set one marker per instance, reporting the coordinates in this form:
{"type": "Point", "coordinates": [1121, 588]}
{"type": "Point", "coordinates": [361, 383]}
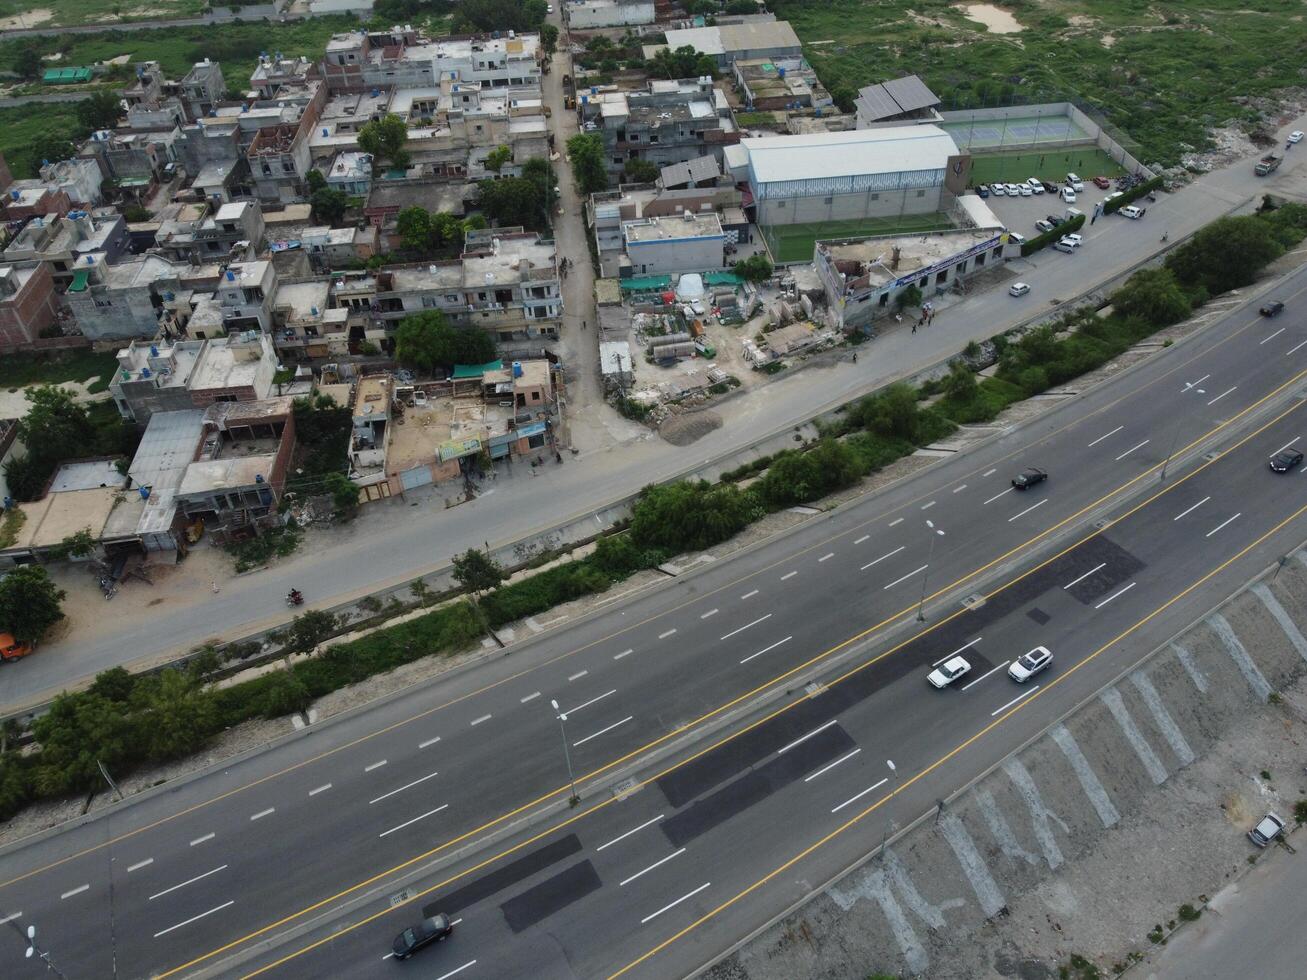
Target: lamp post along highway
{"type": "Point", "coordinates": [925, 574]}
{"type": "Point", "coordinates": [889, 822]}
{"type": "Point", "coordinates": [567, 753]}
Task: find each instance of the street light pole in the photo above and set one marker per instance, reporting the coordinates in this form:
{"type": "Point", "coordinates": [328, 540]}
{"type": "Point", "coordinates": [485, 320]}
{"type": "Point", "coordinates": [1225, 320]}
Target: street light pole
{"type": "Point", "coordinates": [884, 840]}
{"type": "Point", "coordinates": [567, 753]}
{"type": "Point", "coordinates": [925, 574]}
{"type": "Point", "coordinates": [34, 950]}
{"type": "Point", "coordinates": [1175, 432]}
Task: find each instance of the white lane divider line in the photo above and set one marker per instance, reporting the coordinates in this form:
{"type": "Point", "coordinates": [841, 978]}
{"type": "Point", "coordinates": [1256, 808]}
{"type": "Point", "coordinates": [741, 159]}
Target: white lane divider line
{"type": "Point", "coordinates": [530, 697]}
{"type": "Point", "coordinates": [897, 521]}
{"type": "Point", "coordinates": [1106, 435]}
{"type": "Point", "coordinates": [578, 675]}
{"type": "Point", "coordinates": [1222, 524]}
{"type": "Point", "coordinates": [1267, 340]}
{"type": "Point", "coordinates": [1284, 447]}
{"type": "Point", "coordinates": [374, 765]}
{"type": "Point", "coordinates": [928, 506]}
{"type": "Point", "coordinates": [788, 575]}
{"type": "Point", "coordinates": [1114, 595]}
{"type": "Point", "coordinates": [603, 731]}
{"type": "Point", "coordinates": [1027, 510]}
{"type": "Point", "coordinates": [854, 799]}
{"type": "Point", "coordinates": [1194, 384]}
{"type": "Point", "coordinates": [832, 765]}
{"type": "Point", "coordinates": [1222, 395]}
{"type": "Point", "coordinates": [10, 918]}
{"type": "Point", "coordinates": [959, 489]}
{"type": "Point", "coordinates": [263, 813]}
{"type": "Point", "coordinates": [664, 635]}
{"type": "Point", "coordinates": [477, 721]}
{"type": "Point", "coordinates": [765, 649]}
{"type": "Point", "coordinates": [200, 840]}
{"type": "Point", "coordinates": [803, 738]}
{"type": "Point", "coordinates": [990, 472]}
{"type": "Point", "coordinates": [76, 891]}
{"type": "Point", "coordinates": [196, 918]}
{"type": "Point", "coordinates": [409, 823]}
{"type": "Point", "coordinates": [139, 865]}
{"type": "Point", "coordinates": [825, 557]}
{"type": "Point", "coordinates": [1295, 349]}
{"type": "Point", "coordinates": [421, 779]}
{"type": "Point", "coordinates": [571, 711]}
{"type": "Point", "coordinates": [967, 646]}
{"type": "Point", "coordinates": [985, 674]}
{"type": "Point", "coordinates": [634, 830]}
{"type": "Point", "coordinates": [999, 494]}
{"type": "Point", "coordinates": [649, 918]}
{"type": "Point", "coordinates": [904, 578]}
{"type": "Point", "coordinates": [890, 554]}
{"type": "Point", "coordinates": [424, 745]}
{"type": "Point", "coordinates": [1014, 701]}
{"type": "Point", "coordinates": [760, 619]}
{"type": "Point", "coordinates": [651, 867]}
{"type": "Point", "coordinates": [862, 539]}
{"type": "Point", "coordinates": [624, 653]}
{"type": "Point", "coordinates": [189, 881]}
{"type": "Point", "coordinates": [1139, 445]}
{"type": "Point", "coordinates": [321, 789]}
{"type": "Point", "coordinates": [1190, 510]}
{"type": "Point", "coordinates": [1097, 568]}
{"type": "Point", "coordinates": [459, 970]}
{"type": "Point", "coordinates": [709, 614]}
{"type": "Point", "coordinates": [749, 595]}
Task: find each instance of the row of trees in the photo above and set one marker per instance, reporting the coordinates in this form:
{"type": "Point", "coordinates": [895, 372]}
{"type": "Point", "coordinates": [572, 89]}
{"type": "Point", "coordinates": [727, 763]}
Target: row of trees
{"type": "Point", "coordinates": [525, 200]}
{"type": "Point", "coordinates": [428, 341]}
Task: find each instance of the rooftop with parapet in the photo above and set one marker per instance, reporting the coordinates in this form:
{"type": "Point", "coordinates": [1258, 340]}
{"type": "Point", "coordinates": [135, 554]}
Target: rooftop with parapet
{"type": "Point", "coordinates": [916, 252]}
{"type": "Point", "coordinates": [673, 228]}
{"type": "Point", "coordinates": [511, 260]}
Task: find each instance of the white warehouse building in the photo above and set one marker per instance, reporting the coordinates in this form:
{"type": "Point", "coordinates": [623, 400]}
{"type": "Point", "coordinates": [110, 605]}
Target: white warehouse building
{"type": "Point", "coordinates": [862, 173]}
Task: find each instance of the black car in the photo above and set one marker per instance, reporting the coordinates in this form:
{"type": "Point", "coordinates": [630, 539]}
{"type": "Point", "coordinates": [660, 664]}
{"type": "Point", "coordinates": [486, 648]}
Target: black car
{"type": "Point", "coordinates": [433, 930]}
{"type": "Point", "coordinates": [1055, 220]}
{"type": "Point", "coordinates": [1049, 187]}
{"type": "Point", "coordinates": [1027, 478]}
{"type": "Point", "coordinates": [1285, 460]}
{"type": "Point", "coordinates": [1272, 308]}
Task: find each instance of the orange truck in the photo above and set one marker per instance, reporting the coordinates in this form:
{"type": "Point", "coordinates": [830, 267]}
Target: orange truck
{"type": "Point", "coordinates": [11, 649]}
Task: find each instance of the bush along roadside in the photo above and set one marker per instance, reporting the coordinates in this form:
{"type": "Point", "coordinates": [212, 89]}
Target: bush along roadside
{"type": "Point", "coordinates": [1049, 237]}
{"type": "Point", "coordinates": [1133, 194]}
{"type": "Point", "coordinates": [126, 721]}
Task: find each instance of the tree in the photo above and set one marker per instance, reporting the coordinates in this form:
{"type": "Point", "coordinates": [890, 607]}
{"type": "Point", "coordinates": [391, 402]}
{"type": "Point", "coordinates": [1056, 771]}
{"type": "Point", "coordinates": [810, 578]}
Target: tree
{"type": "Point", "coordinates": [1225, 255]}
{"type": "Point", "coordinates": [76, 734]}
{"type": "Point", "coordinates": [497, 157]}
{"type": "Point", "coordinates": [329, 205]}
{"type": "Point", "coordinates": [310, 629]}
{"type": "Point", "coordinates": [315, 180]}
{"type": "Point", "coordinates": [639, 171]}
{"type": "Point", "coordinates": [755, 268]}
{"type": "Point", "coordinates": [413, 224]}
{"type": "Point", "coordinates": [908, 297]}
{"type": "Point", "coordinates": [55, 428]}
{"type": "Point", "coordinates": [384, 138]}
{"type": "Point", "coordinates": [548, 38]}
{"type": "Point", "coordinates": [586, 151]}
{"type": "Point", "coordinates": [684, 62]}
{"type": "Point", "coordinates": [685, 516]}
{"type": "Point", "coordinates": [1153, 296]}
{"type": "Point", "coordinates": [426, 341]}
{"type": "Point", "coordinates": [477, 572]}
{"type": "Point", "coordinates": [960, 385]}
{"type": "Point", "coordinates": [28, 64]}
{"type": "Point", "coordinates": [344, 496]}
{"type": "Point", "coordinates": [514, 201]}
{"type": "Point", "coordinates": [50, 148]}
{"type": "Point", "coordinates": [29, 603]}
{"type": "Point", "coordinates": [843, 95]}
{"type": "Point", "coordinates": [100, 111]}
{"type": "Point", "coordinates": [173, 714]}
{"type": "Point", "coordinates": [79, 544]}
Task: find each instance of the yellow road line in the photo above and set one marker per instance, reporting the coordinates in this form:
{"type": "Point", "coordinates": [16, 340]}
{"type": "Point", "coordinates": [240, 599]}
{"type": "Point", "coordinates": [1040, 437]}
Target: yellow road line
{"type": "Point", "coordinates": [728, 738]}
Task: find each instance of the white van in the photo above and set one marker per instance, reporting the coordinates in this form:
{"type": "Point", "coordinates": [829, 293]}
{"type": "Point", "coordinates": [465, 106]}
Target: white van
{"type": "Point", "coordinates": [1132, 212]}
{"type": "Point", "coordinates": [1073, 213]}
{"type": "Point", "coordinates": [1068, 195]}
{"type": "Point", "coordinates": [1074, 182]}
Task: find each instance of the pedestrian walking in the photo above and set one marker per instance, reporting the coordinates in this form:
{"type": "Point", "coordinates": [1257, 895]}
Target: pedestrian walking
{"type": "Point", "coordinates": [914, 327]}
{"type": "Point", "coordinates": [215, 586]}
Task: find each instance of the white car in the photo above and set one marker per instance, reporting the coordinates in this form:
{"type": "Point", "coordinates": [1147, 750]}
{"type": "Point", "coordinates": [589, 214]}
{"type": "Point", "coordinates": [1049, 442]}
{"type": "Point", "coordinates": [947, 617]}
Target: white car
{"type": "Point", "coordinates": [1026, 667]}
{"type": "Point", "coordinates": [1069, 195]}
{"type": "Point", "coordinates": [1018, 289]}
{"type": "Point", "coordinates": [1043, 226]}
{"type": "Point", "coordinates": [1016, 238]}
{"type": "Point", "coordinates": [1062, 245]}
{"type": "Point", "coordinates": [1132, 212]}
{"type": "Point", "coordinates": [1013, 190]}
{"type": "Point", "coordinates": [1025, 190]}
{"type": "Point", "coordinates": [1075, 241]}
{"type": "Point", "coordinates": [998, 190]}
{"type": "Point", "coordinates": [1269, 828]}
{"type": "Point", "coordinates": [1295, 136]}
{"type": "Point", "coordinates": [1036, 185]}
{"type": "Point", "coordinates": [949, 671]}
{"type": "Point", "coordinates": [1113, 196]}
{"type": "Point", "coordinates": [1075, 183]}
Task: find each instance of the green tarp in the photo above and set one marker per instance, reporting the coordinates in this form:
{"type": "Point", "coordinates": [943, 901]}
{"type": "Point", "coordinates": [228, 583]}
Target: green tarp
{"type": "Point", "coordinates": [645, 284]}
{"type": "Point", "coordinates": [475, 370]}
{"type": "Point", "coordinates": [79, 280]}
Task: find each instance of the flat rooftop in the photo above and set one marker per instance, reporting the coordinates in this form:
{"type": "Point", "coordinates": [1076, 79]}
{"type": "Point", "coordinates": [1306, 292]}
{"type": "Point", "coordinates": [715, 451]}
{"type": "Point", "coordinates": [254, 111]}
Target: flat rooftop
{"type": "Point", "coordinates": [90, 475]}
{"type": "Point", "coordinates": [230, 472]}
{"type": "Point", "coordinates": [219, 367]}
{"type": "Point", "coordinates": [671, 229]}
{"type": "Point", "coordinates": [58, 515]}
{"type": "Point", "coordinates": [916, 252]}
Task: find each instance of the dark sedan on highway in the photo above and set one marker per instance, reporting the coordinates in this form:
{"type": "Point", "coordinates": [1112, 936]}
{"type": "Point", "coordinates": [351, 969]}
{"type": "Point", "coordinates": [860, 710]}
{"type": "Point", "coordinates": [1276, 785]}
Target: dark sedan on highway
{"type": "Point", "coordinates": [431, 930]}
{"type": "Point", "coordinates": [1028, 478]}
{"type": "Point", "coordinates": [1285, 460]}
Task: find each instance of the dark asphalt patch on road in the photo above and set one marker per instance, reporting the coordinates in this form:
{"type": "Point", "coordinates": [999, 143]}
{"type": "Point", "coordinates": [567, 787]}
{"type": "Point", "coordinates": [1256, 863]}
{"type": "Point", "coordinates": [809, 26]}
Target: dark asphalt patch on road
{"type": "Point", "coordinates": [505, 877]}
{"type": "Point", "coordinates": [756, 785]}
{"type": "Point", "coordinates": [1119, 566]}
{"type": "Point", "coordinates": [552, 895]}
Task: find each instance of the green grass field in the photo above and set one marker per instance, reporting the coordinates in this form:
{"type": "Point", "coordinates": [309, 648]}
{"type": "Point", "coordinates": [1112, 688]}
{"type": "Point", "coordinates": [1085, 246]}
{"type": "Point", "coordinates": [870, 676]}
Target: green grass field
{"type": "Point", "coordinates": [65, 13]}
{"type": "Point", "coordinates": [19, 370]}
{"type": "Point", "coordinates": [1052, 165]}
{"type": "Point", "coordinates": [793, 243]}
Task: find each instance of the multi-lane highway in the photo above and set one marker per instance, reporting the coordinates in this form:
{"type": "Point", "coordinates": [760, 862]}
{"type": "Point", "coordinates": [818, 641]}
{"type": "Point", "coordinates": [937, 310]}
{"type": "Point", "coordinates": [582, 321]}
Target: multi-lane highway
{"type": "Point", "coordinates": [802, 657]}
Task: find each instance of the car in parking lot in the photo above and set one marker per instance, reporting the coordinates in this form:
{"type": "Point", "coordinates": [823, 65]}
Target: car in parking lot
{"type": "Point", "coordinates": [1055, 220]}
{"type": "Point", "coordinates": [1018, 289]}
{"type": "Point", "coordinates": [1074, 182]}
{"type": "Point", "coordinates": [1013, 190]}
{"type": "Point", "coordinates": [1016, 238]}
{"type": "Point", "coordinates": [1075, 241]}
{"type": "Point", "coordinates": [1024, 190]}
{"type": "Point", "coordinates": [1295, 136]}
{"type": "Point", "coordinates": [982, 190]}
{"type": "Point", "coordinates": [998, 190]}
{"type": "Point", "coordinates": [1062, 245]}
{"type": "Point", "coordinates": [1043, 225]}
{"type": "Point", "coordinates": [1027, 666]}
{"type": "Point", "coordinates": [1273, 308]}
{"type": "Point", "coordinates": [949, 671]}
{"type": "Point", "coordinates": [1286, 460]}
{"type": "Point", "coordinates": [1036, 185]}
{"type": "Point", "coordinates": [1029, 477]}
{"type": "Point", "coordinates": [1049, 186]}
{"type": "Point", "coordinates": [433, 929]}
{"type": "Point", "coordinates": [1132, 212]}
{"type": "Point", "coordinates": [1113, 196]}
{"type": "Point", "coordinates": [1102, 183]}
{"type": "Point", "coordinates": [1267, 829]}
{"type": "Point", "coordinates": [1069, 195]}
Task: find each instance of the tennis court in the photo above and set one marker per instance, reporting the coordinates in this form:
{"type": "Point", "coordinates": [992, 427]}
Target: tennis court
{"type": "Point", "coordinates": [977, 135]}
{"type": "Point", "coordinates": [793, 243]}
{"type": "Point", "coordinates": [1053, 164]}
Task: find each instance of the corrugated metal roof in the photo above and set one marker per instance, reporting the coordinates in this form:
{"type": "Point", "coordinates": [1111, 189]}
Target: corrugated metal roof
{"type": "Point", "coordinates": [700, 168]}
{"type": "Point", "coordinates": [813, 156]}
{"type": "Point", "coordinates": [874, 103]}
{"type": "Point", "coordinates": [166, 448]}
{"type": "Point", "coordinates": [898, 95]}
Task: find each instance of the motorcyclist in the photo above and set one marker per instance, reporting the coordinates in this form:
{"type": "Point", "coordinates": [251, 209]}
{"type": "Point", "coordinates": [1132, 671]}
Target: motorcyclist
{"type": "Point", "coordinates": [294, 597]}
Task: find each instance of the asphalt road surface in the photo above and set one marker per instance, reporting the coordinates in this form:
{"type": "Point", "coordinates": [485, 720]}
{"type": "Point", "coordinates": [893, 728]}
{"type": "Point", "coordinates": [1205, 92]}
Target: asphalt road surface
{"type": "Point", "coordinates": [705, 757]}
{"type": "Point", "coordinates": [380, 550]}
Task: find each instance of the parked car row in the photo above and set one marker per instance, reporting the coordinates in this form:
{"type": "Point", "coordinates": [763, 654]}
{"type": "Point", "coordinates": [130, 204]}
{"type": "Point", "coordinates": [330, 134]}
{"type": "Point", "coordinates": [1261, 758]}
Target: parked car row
{"type": "Point", "coordinates": [1023, 668]}
{"type": "Point", "coordinates": [1033, 185]}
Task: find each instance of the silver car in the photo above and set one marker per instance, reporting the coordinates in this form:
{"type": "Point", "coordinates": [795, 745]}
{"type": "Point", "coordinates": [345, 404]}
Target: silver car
{"type": "Point", "coordinates": [1268, 829]}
